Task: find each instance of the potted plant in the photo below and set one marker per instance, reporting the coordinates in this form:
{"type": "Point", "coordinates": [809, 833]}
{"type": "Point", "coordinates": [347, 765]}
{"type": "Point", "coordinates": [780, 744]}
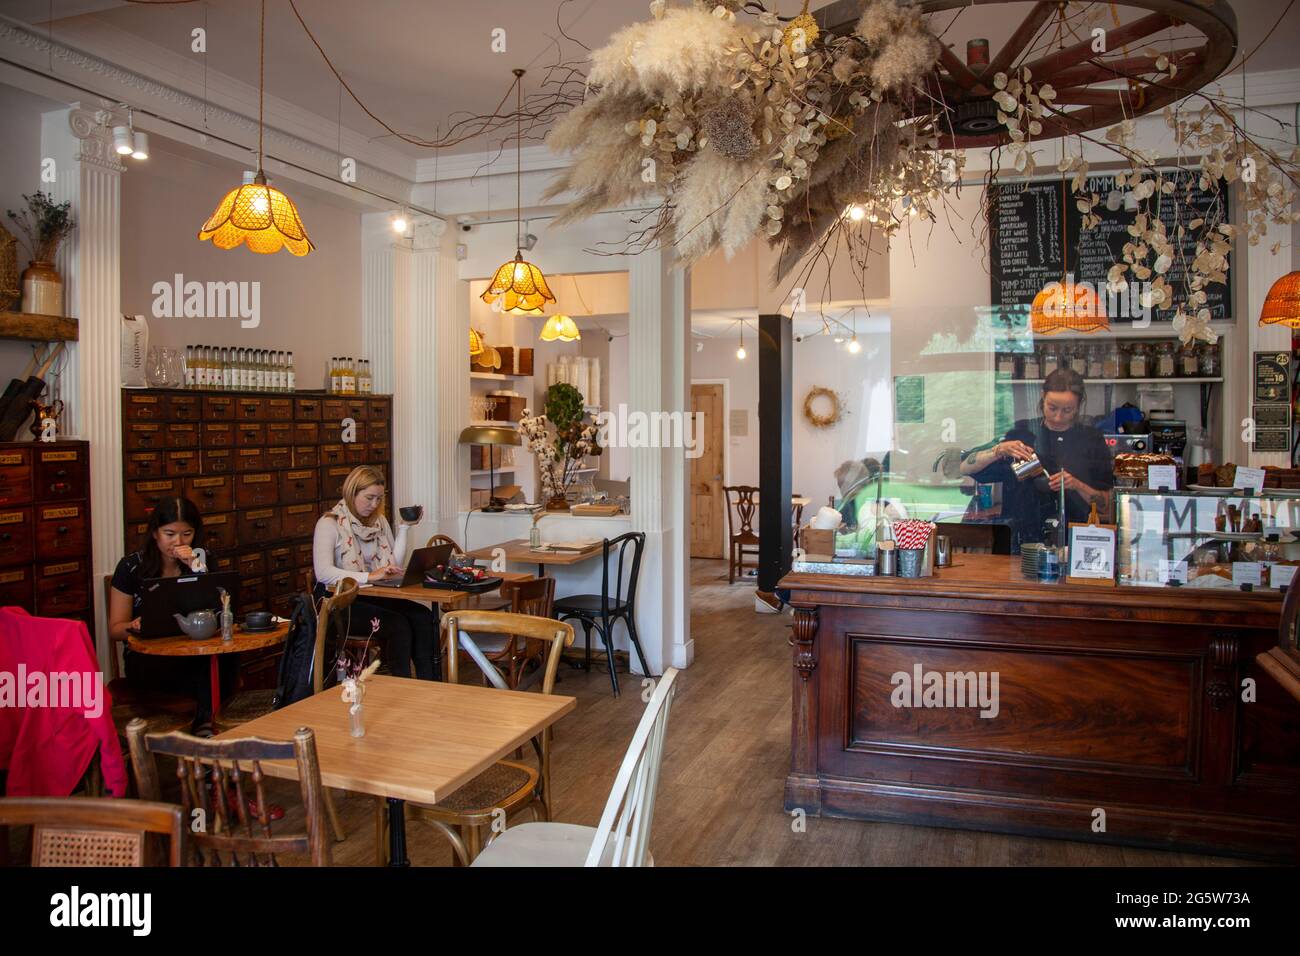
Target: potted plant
{"type": "Point", "coordinates": [561, 439]}
{"type": "Point", "coordinates": [46, 224]}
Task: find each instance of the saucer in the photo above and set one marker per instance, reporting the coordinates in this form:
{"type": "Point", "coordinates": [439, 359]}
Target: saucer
{"type": "Point", "coordinates": [258, 630]}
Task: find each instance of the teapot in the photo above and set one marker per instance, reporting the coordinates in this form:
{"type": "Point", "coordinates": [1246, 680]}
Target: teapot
{"type": "Point", "coordinates": [198, 624]}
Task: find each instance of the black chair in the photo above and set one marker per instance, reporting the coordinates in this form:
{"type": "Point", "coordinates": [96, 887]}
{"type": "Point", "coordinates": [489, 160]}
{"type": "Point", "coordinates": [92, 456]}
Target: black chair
{"type": "Point", "coordinates": [601, 611]}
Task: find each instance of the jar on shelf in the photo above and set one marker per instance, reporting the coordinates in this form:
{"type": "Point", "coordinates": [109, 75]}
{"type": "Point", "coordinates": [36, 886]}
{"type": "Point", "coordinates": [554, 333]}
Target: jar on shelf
{"type": "Point", "coordinates": [1188, 364]}
{"type": "Point", "coordinates": [1031, 367]}
{"type": "Point", "coordinates": [1096, 361]}
{"type": "Point", "coordinates": [1115, 363]}
{"type": "Point", "coordinates": [1048, 359]}
{"type": "Point", "coordinates": [1079, 358]}
{"type": "Point", "coordinates": [1210, 366]}
{"type": "Point", "coordinates": [1139, 361]}
{"type": "Point", "coordinates": [1005, 365]}
{"type": "Point", "coordinates": [1166, 362]}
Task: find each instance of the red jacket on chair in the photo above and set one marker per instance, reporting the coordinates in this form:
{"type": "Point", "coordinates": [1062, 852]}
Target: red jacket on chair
{"type": "Point", "coordinates": [55, 711]}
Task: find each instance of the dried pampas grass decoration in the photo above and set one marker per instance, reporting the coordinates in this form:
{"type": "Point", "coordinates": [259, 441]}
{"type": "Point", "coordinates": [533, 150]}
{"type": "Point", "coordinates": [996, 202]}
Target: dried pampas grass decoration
{"type": "Point", "coordinates": [687, 50]}
{"type": "Point", "coordinates": [719, 201]}
{"type": "Point", "coordinates": [904, 60]}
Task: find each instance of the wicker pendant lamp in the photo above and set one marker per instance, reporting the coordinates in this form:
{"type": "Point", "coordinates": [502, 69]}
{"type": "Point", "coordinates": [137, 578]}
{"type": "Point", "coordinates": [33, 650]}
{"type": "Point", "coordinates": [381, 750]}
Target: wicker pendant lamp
{"type": "Point", "coordinates": [519, 287]}
{"type": "Point", "coordinates": [560, 328]}
{"type": "Point", "coordinates": [1065, 306]}
{"type": "Point", "coordinates": [1282, 304]}
{"type": "Point", "coordinates": [255, 214]}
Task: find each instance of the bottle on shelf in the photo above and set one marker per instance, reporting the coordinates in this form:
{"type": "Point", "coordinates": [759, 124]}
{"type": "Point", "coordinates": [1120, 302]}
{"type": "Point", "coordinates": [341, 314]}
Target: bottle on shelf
{"type": "Point", "coordinates": [367, 384]}
{"type": "Point", "coordinates": [241, 369]}
{"type": "Point", "coordinates": [227, 370]}
{"type": "Point", "coordinates": [201, 368]}
{"type": "Point", "coordinates": [349, 378]}
{"type": "Point", "coordinates": [290, 380]}
{"type": "Point", "coordinates": [332, 376]}
{"type": "Point", "coordinates": [189, 366]}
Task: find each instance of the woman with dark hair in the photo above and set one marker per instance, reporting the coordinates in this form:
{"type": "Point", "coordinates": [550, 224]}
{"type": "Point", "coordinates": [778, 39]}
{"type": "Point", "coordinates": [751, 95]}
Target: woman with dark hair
{"type": "Point", "coordinates": [1073, 454]}
{"type": "Point", "coordinates": [168, 550]}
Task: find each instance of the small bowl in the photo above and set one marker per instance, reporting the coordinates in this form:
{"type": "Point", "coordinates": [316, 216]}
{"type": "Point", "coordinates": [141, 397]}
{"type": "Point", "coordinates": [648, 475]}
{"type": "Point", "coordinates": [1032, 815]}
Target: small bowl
{"type": "Point", "coordinates": [411, 512]}
{"type": "Point", "coordinates": [257, 620]}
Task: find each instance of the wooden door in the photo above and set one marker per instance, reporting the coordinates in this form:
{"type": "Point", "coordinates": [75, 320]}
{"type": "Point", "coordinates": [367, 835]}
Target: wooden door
{"type": "Point", "coordinates": [707, 520]}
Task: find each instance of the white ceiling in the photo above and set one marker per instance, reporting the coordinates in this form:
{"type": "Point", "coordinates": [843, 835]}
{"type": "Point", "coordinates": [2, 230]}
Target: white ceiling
{"type": "Point", "coordinates": [421, 63]}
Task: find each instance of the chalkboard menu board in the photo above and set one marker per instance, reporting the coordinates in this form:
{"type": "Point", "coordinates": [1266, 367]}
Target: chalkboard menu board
{"type": "Point", "coordinates": [1025, 248]}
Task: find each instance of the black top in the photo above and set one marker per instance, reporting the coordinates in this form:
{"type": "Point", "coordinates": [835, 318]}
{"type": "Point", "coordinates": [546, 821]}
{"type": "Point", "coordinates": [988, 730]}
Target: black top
{"type": "Point", "coordinates": [1081, 450]}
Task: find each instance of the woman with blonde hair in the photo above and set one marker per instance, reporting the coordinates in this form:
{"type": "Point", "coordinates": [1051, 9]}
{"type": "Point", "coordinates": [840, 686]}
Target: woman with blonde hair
{"type": "Point", "coordinates": [355, 540]}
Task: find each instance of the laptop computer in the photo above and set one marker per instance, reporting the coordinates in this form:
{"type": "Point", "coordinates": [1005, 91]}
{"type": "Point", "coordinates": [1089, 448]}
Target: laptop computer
{"type": "Point", "coordinates": [160, 598]}
{"type": "Point", "coordinates": [423, 560]}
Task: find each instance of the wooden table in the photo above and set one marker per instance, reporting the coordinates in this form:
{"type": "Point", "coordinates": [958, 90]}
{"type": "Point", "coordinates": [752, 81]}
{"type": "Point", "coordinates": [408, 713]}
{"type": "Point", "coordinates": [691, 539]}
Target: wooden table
{"type": "Point", "coordinates": [212, 648]}
{"type": "Point", "coordinates": [424, 740]}
{"type": "Point", "coordinates": [519, 551]}
{"type": "Point", "coordinates": [438, 599]}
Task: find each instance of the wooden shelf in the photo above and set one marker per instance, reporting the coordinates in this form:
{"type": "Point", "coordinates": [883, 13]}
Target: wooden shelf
{"type": "Point", "coordinates": [37, 328]}
{"type": "Point", "coordinates": [484, 472]}
{"type": "Point", "coordinates": [1118, 381]}
{"type": "Point", "coordinates": [496, 376]}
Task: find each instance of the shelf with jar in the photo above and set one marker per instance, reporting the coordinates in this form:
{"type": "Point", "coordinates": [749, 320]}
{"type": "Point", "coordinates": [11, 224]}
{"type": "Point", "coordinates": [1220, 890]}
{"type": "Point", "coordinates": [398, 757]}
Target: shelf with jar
{"type": "Point", "coordinates": [1115, 361]}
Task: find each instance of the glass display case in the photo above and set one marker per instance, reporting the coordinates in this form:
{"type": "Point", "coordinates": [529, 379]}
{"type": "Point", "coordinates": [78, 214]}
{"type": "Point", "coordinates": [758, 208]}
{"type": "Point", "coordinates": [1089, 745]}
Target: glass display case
{"type": "Point", "coordinates": [1207, 538]}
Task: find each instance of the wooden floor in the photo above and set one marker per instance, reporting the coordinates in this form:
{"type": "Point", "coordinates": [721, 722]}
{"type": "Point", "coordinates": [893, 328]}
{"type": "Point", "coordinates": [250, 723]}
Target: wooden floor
{"type": "Point", "coordinates": [728, 749]}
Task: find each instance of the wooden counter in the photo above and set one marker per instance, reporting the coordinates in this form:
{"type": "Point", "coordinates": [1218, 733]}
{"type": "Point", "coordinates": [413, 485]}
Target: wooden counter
{"type": "Point", "coordinates": [1118, 715]}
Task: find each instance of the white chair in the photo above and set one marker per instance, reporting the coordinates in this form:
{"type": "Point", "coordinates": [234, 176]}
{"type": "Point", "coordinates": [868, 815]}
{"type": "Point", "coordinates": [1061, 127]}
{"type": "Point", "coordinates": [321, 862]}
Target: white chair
{"type": "Point", "coordinates": [623, 833]}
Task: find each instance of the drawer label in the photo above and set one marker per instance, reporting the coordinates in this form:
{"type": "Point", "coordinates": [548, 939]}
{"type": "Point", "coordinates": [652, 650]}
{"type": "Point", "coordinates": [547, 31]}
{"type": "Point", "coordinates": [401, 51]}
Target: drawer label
{"type": "Point", "coordinates": [280, 402]}
{"type": "Point", "coordinates": [49, 514]}
{"type": "Point", "coordinates": [145, 428]}
{"type": "Point", "coordinates": [215, 519]}
{"type": "Point", "coordinates": [283, 450]}
{"type": "Point", "coordinates": [298, 475]}
{"type": "Point", "coordinates": [59, 456]}
{"type": "Point", "coordinates": [10, 577]}
{"type": "Point", "coordinates": [218, 427]}
{"type": "Point", "coordinates": [51, 570]}
{"type": "Point", "coordinates": [155, 485]}
{"type": "Point", "coordinates": [17, 459]}
{"type": "Point", "coordinates": [220, 401]}
{"type": "Point", "coordinates": [217, 452]}
{"type": "Point", "coordinates": [145, 456]}
{"type": "Point", "coordinates": [181, 454]}
{"type": "Point", "coordinates": [257, 515]}
{"type": "Point", "coordinates": [210, 482]}
{"type": "Point", "coordinates": [13, 517]}
{"type": "Point", "coordinates": [301, 509]}
{"type": "Point", "coordinates": [257, 479]}
{"type": "Point", "coordinates": [183, 428]}
{"type": "Point", "coordinates": [144, 399]}
{"type": "Point", "coordinates": [249, 452]}
{"type": "Point", "coordinates": [250, 559]}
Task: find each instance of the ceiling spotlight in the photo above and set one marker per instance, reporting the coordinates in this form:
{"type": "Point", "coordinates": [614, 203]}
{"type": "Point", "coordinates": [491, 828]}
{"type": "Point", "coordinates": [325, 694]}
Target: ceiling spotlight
{"type": "Point", "coordinates": [140, 142]}
{"type": "Point", "coordinates": [857, 213]}
{"type": "Point", "coordinates": [527, 241]}
{"type": "Point", "coordinates": [122, 140]}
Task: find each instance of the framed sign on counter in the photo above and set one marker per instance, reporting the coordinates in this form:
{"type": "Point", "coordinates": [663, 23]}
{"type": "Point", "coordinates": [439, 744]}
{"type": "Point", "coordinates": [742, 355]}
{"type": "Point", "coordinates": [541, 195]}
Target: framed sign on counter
{"type": "Point", "coordinates": [1092, 554]}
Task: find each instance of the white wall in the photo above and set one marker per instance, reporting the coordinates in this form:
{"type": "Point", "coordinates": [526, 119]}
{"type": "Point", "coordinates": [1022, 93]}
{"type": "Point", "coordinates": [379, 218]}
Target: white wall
{"type": "Point", "coordinates": [311, 304]}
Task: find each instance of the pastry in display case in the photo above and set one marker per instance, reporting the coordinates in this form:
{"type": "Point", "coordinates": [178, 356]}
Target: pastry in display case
{"type": "Point", "coordinates": [1207, 539]}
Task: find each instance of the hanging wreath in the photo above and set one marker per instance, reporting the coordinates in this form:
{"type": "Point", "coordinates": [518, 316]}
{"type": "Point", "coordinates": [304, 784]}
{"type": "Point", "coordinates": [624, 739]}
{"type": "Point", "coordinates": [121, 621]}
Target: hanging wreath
{"type": "Point", "coordinates": [830, 415]}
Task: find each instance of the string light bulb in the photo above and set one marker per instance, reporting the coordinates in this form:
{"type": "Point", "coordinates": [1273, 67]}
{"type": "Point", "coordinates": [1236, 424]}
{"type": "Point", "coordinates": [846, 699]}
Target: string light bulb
{"type": "Point", "coordinates": [857, 213]}
{"type": "Point", "coordinates": [740, 352]}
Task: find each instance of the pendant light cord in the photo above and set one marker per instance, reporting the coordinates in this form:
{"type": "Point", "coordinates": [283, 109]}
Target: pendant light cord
{"type": "Point", "coordinates": [519, 142]}
{"type": "Point", "coordinates": [261, 84]}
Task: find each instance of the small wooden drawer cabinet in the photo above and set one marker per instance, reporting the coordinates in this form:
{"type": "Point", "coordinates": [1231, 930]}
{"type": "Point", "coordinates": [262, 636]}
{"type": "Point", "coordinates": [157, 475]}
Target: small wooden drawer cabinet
{"type": "Point", "coordinates": [261, 468]}
{"type": "Point", "coordinates": [45, 542]}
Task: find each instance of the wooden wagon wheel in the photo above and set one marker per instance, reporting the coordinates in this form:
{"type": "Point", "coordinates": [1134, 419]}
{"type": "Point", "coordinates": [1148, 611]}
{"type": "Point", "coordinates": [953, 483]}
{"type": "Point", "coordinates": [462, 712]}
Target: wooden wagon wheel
{"type": "Point", "coordinates": [1200, 36]}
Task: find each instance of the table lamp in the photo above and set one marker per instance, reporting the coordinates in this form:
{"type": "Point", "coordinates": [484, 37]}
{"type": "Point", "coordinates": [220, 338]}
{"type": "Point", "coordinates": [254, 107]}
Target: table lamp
{"type": "Point", "coordinates": [490, 435]}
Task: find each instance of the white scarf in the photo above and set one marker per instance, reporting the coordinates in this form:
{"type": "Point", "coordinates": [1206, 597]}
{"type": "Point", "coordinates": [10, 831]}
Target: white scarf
{"type": "Point", "coordinates": [352, 532]}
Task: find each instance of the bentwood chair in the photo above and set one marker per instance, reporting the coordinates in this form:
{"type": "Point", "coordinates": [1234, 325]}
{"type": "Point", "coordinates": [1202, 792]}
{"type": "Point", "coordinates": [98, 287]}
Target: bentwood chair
{"type": "Point", "coordinates": [331, 618]}
{"type": "Point", "coordinates": [508, 786]}
{"type": "Point", "coordinates": [534, 597]}
{"type": "Point", "coordinates": [90, 831]}
{"type": "Point", "coordinates": [741, 540]}
{"type": "Point", "coordinates": [623, 835]}
{"type": "Point", "coordinates": [223, 830]}
{"type": "Point", "coordinates": [602, 611]}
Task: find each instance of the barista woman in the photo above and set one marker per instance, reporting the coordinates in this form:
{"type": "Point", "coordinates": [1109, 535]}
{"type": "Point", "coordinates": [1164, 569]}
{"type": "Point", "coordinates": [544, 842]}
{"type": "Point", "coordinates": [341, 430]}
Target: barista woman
{"type": "Point", "coordinates": [1073, 454]}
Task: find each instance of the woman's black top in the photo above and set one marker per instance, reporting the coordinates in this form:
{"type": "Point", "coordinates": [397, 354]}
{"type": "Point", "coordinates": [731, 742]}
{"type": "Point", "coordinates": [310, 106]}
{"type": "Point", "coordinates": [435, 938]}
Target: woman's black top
{"type": "Point", "coordinates": [1081, 450]}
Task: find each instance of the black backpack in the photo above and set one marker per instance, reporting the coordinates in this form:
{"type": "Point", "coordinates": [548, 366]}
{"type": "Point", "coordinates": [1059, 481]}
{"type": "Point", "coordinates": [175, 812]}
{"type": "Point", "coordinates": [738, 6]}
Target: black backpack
{"type": "Point", "coordinates": [294, 680]}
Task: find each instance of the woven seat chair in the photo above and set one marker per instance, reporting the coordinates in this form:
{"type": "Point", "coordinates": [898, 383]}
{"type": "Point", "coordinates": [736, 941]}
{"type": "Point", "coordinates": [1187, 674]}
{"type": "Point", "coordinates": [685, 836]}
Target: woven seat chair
{"type": "Point", "coordinates": [223, 831]}
{"type": "Point", "coordinates": [511, 652]}
{"type": "Point", "coordinates": [507, 786]}
{"type": "Point", "coordinates": [90, 831]}
{"type": "Point", "coordinates": [249, 705]}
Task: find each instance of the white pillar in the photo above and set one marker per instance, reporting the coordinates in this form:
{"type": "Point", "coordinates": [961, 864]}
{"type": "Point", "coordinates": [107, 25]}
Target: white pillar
{"type": "Point", "coordinates": [658, 316]}
{"type": "Point", "coordinates": [411, 331]}
{"type": "Point", "coordinates": [87, 173]}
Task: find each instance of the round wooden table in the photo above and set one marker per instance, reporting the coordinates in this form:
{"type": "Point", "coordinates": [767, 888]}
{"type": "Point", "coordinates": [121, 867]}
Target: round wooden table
{"type": "Point", "coordinates": [212, 648]}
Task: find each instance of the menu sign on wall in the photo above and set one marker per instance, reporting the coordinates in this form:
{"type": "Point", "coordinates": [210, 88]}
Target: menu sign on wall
{"type": "Point", "coordinates": [1025, 238]}
{"type": "Point", "coordinates": [1271, 408]}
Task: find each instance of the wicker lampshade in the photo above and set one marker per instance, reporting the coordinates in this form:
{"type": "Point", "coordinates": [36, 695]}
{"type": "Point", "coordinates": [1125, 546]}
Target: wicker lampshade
{"type": "Point", "coordinates": [259, 216]}
{"type": "Point", "coordinates": [1282, 304]}
{"type": "Point", "coordinates": [560, 328]}
{"type": "Point", "coordinates": [475, 343]}
{"type": "Point", "coordinates": [1067, 307]}
{"type": "Point", "coordinates": [520, 286]}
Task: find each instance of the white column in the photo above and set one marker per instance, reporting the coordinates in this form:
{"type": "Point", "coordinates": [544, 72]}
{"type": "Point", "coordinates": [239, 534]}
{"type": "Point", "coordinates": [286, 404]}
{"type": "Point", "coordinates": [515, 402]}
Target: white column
{"type": "Point", "coordinates": [411, 329]}
{"type": "Point", "coordinates": [658, 316]}
{"type": "Point", "coordinates": [87, 173]}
